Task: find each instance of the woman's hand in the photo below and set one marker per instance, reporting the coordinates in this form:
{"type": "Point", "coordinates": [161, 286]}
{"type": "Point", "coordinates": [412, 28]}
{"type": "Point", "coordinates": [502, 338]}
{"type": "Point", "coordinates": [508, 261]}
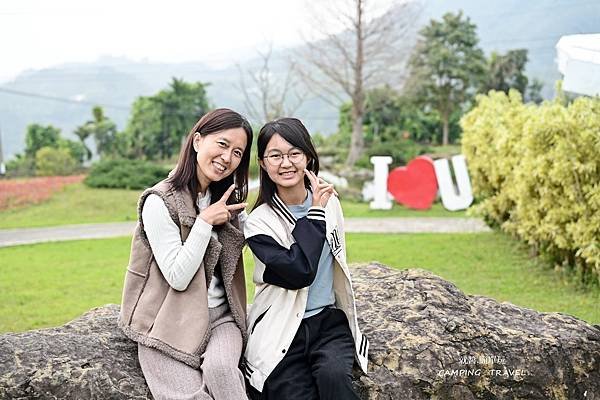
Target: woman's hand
{"type": "Point", "coordinates": [219, 212]}
{"type": "Point", "coordinates": [321, 190]}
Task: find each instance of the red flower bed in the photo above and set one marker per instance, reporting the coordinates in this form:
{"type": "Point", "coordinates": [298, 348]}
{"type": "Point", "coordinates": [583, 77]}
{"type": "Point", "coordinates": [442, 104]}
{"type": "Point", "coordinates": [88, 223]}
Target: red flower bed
{"type": "Point", "coordinates": [20, 192]}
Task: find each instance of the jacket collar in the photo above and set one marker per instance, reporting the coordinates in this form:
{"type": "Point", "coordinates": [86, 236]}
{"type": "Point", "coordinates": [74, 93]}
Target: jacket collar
{"type": "Point", "coordinates": [281, 209]}
{"type": "Point", "coordinates": [185, 207]}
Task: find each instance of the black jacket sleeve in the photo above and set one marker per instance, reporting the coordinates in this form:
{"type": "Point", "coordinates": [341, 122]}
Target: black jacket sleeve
{"type": "Point", "coordinates": [295, 268]}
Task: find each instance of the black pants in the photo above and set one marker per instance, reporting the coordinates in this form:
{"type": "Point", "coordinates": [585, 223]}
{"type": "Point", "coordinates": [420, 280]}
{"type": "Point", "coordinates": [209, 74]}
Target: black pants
{"type": "Point", "coordinates": [318, 364]}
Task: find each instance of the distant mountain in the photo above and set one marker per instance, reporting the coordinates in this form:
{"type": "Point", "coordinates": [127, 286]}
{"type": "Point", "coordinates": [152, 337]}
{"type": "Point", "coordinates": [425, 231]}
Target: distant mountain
{"type": "Point", "coordinates": [115, 82]}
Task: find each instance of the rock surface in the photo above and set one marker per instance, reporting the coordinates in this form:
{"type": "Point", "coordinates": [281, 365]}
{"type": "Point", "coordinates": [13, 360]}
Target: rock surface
{"type": "Point", "coordinates": [428, 341]}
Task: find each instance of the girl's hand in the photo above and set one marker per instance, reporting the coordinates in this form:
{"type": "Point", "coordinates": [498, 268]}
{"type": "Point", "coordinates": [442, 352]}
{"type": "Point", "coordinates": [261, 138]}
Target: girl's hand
{"type": "Point", "coordinates": [321, 190]}
{"type": "Point", "coordinates": [219, 212]}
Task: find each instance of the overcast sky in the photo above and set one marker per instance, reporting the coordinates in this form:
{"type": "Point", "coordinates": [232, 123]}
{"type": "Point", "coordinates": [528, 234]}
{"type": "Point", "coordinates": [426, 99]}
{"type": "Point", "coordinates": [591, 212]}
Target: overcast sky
{"type": "Point", "coordinates": [40, 33]}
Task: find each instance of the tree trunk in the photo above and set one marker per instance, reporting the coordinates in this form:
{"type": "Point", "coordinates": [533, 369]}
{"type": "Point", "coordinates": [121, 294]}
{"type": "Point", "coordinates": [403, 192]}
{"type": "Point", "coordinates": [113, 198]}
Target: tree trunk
{"type": "Point", "coordinates": [445, 128]}
{"type": "Point", "coordinates": [357, 140]}
{"type": "Point", "coordinates": [358, 96]}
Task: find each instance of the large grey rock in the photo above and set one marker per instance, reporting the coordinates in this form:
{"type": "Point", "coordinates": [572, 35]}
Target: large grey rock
{"type": "Point", "coordinates": [87, 358]}
{"type": "Point", "coordinates": [428, 341]}
{"type": "Point", "coordinates": [431, 341]}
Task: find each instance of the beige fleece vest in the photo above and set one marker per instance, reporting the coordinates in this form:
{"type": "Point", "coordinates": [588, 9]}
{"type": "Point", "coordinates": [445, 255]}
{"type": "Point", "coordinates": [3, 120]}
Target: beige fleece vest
{"type": "Point", "coordinates": [177, 322]}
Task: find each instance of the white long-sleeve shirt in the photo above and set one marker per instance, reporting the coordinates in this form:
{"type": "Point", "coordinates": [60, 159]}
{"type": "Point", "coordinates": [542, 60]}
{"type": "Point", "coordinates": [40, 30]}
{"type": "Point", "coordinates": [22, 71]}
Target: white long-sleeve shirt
{"type": "Point", "coordinates": [178, 261]}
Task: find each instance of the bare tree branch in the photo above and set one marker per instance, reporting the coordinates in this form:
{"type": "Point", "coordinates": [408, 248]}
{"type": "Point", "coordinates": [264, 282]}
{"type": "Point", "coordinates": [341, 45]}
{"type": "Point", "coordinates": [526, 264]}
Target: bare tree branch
{"type": "Point", "coordinates": [271, 94]}
{"type": "Point", "coordinates": [356, 48]}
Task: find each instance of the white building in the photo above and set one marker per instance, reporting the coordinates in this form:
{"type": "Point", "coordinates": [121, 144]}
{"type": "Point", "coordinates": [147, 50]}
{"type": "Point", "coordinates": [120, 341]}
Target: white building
{"type": "Point", "coordinates": [578, 58]}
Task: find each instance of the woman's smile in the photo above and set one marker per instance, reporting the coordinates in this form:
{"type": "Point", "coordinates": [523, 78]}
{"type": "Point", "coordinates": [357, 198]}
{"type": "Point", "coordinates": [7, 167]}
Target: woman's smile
{"type": "Point", "coordinates": [287, 174]}
{"type": "Point", "coordinates": [220, 168]}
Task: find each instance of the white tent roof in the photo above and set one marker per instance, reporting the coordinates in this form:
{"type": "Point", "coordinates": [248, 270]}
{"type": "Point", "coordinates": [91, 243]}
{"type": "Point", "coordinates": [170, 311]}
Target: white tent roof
{"type": "Point", "coordinates": [578, 58]}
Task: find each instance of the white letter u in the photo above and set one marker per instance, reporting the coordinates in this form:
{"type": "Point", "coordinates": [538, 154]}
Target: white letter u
{"type": "Point", "coordinates": [452, 200]}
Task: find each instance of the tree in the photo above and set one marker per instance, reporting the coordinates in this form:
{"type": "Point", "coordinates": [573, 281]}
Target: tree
{"type": "Point", "coordinates": [159, 123]}
{"type": "Point", "coordinates": [83, 133]}
{"type": "Point", "coordinates": [268, 95]}
{"type": "Point", "coordinates": [446, 66]}
{"type": "Point", "coordinates": [181, 106]}
{"type": "Point", "coordinates": [39, 136]}
{"type": "Point", "coordinates": [505, 72]}
{"type": "Point", "coordinates": [75, 149]}
{"type": "Point", "coordinates": [143, 128]}
{"type": "Point", "coordinates": [44, 137]}
{"type": "Point", "coordinates": [534, 92]}
{"type": "Point", "coordinates": [102, 129]}
{"type": "Point", "coordinates": [390, 115]}
{"type": "Point", "coordinates": [357, 49]}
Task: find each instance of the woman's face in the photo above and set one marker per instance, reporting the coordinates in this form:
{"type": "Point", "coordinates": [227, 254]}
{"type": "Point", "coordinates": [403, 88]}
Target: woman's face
{"type": "Point", "coordinates": [292, 162]}
{"type": "Point", "coordinates": [219, 154]}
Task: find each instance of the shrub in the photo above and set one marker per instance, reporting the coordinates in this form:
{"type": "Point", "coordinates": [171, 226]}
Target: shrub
{"type": "Point", "coordinates": [51, 161]}
{"type": "Point", "coordinates": [125, 174]}
{"type": "Point", "coordinates": [76, 149]}
{"type": "Point", "coordinates": [20, 166]}
{"type": "Point", "coordinates": [535, 171]}
{"type": "Point", "coordinates": [400, 149]}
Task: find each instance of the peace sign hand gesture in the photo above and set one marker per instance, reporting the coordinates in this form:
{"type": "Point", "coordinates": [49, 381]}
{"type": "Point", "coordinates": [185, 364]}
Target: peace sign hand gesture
{"type": "Point", "coordinates": [220, 212]}
{"type": "Point", "coordinates": [321, 190]}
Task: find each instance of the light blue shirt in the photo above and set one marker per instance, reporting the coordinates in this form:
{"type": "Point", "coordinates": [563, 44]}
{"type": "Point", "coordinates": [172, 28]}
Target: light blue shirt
{"type": "Point", "coordinates": [320, 292]}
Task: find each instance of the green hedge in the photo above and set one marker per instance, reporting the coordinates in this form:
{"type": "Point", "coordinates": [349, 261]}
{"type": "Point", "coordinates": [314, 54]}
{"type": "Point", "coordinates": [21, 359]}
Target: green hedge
{"type": "Point", "coordinates": [50, 161]}
{"type": "Point", "coordinates": [535, 172]}
{"type": "Point", "coordinates": [125, 174]}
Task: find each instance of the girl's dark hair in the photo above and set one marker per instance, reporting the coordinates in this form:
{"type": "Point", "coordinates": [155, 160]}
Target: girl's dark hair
{"type": "Point", "coordinates": [295, 133]}
{"type": "Point", "coordinates": [185, 176]}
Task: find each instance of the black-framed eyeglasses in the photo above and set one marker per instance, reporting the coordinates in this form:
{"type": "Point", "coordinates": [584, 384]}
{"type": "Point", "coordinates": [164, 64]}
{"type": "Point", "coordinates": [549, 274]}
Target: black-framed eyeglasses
{"type": "Point", "coordinates": [295, 156]}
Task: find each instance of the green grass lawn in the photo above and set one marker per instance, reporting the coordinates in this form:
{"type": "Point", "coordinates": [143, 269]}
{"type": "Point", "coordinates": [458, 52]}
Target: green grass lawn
{"type": "Point", "coordinates": [75, 204]}
{"type": "Point", "coordinates": [49, 284]}
{"type": "Point", "coordinates": [79, 204]}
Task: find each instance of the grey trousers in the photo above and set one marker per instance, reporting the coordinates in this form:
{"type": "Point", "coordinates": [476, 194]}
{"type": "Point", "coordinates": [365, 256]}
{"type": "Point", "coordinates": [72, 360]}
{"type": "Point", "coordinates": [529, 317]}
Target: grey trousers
{"type": "Point", "coordinates": [219, 377]}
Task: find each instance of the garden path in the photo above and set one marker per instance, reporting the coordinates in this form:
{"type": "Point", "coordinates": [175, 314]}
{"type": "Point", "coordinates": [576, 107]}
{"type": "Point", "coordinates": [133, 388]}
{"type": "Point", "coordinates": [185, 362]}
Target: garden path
{"type": "Point", "coordinates": [13, 237]}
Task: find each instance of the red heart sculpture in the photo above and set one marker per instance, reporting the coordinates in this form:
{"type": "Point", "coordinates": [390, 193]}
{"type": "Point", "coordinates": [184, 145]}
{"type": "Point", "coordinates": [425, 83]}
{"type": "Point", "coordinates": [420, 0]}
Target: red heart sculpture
{"type": "Point", "coordinates": [415, 185]}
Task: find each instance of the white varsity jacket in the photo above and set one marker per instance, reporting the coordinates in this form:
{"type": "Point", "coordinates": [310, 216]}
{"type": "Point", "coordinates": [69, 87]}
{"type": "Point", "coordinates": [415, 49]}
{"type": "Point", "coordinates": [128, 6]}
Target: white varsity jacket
{"type": "Point", "coordinates": [282, 288]}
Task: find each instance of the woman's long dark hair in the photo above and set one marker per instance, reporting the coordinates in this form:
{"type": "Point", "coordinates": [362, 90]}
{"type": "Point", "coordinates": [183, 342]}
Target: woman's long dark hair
{"type": "Point", "coordinates": [296, 134]}
{"type": "Point", "coordinates": [185, 176]}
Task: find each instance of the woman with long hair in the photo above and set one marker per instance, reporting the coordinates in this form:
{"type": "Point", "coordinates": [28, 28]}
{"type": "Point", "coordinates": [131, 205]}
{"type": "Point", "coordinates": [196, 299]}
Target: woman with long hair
{"type": "Point", "coordinates": [184, 298]}
{"type": "Point", "coordinates": [303, 331]}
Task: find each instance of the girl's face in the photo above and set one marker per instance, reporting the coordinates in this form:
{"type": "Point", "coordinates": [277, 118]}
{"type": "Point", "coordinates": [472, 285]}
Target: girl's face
{"type": "Point", "coordinates": [284, 163]}
{"type": "Point", "coordinates": [219, 154]}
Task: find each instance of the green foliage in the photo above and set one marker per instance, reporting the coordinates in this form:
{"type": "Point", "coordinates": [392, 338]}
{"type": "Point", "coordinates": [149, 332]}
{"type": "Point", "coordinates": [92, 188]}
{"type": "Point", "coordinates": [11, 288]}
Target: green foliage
{"type": "Point", "coordinates": [39, 136]}
{"type": "Point", "coordinates": [390, 116]}
{"type": "Point", "coordinates": [50, 161]}
{"type": "Point", "coordinates": [104, 132]}
{"type": "Point", "coordinates": [159, 123]}
{"type": "Point", "coordinates": [446, 67]}
{"type": "Point", "coordinates": [19, 166]}
{"type": "Point", "coordinates": [536, 173]}
{"type": "Point", "coordinates": [506, 72]}
{"type": "Point", "coordinates": [125, 174]}
{"type": "Point", "coordinates": [254, 167]}
{"type": "Point", "coordinates": [60, 156]}
{"type": "Point", "coordinates": [534, 92]}
{"type": "Point", "coordinates": [394, 125]}
{"type": "Point", "coordinates": [402, 150]}
{"type": "Point", "coordinates": [76, 149]}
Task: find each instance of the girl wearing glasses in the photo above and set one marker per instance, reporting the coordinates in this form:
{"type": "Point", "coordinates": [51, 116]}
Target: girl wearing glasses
{"type": "Point", "coordinates": [303, 332]}
{"type": "Point", "coordinates": [184, 298]}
